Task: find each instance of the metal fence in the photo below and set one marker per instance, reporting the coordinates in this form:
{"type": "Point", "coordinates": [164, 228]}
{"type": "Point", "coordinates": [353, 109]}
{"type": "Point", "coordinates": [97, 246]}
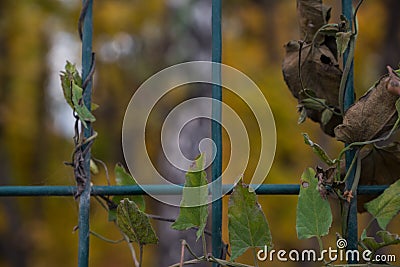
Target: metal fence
{"type": "Point", "coordinates": [86, 31]}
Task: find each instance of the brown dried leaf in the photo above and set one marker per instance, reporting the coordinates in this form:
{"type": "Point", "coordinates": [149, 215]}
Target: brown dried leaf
{"type": "Point", "coordinates": [379, 166]}
{"type": "Point", "coordinates": [371, 117]}
{"type": "Point", "coordinates": [312, 15]}
{"type": "Point", "coordinates": [320, 73]}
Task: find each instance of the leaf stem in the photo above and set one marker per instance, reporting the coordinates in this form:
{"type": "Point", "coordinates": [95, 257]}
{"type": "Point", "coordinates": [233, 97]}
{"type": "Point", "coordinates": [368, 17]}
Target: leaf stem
{"type": "Point", "coordinates": [182, 253]}
{"type": "Point", "coordinates": [190, 250]}
{"type": "Point", "coordinates": [350, 146]}
{"type": "Point", "coordinates": [346, 206]}
{"type": "Point", "coordinates": [355, 17]}
{"type": "Point", "coordinates": [351, 166]}
{"type": "Point", "coordinates": [212, 259]}
{"type": "Point", "coordinates": [164, 219]}
{"type": "Point", "coordinates": [349, 60]}
{"type": "Point", "coordinates": [105, 169]}
{"type": "Point", "coordinates": [357, 176]}
{"type": "Point", "coordinates": [227, 263]}
{"type": "Point", "coordinates": [130, 245]}
{"type": "Point", "coordinates": [255, 257]}
{"type": "Point", "coordinates": [99, 236]}
{"type": "Point", "coordinates": [345, 75]}
{"type": "Point", "coordinates": [189, 262]}
{"type": "Point", "coordinates": [98, 199]}
{"type": "Point", "coordinates": [203, 240]}
{"type": "Point", "coordinates": [320, 244]}
{"type": "Point", "coordinates": [140, 255]}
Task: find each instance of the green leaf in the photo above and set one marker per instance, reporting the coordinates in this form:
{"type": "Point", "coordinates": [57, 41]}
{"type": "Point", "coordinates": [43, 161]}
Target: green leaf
{"type": "Point", "coordinates": [397, 104]}
{"type": "Point", "coordinates": [318, 150]}
{"type": "Point", "coordinates": [363, 234]}
{"type": "Point", "coordinates": [386, 206]}
{"type": "Point", "coordinates": [314, 216]}
{"type": "Point", "coordinates": [247, 225]}
{"type": "Point", "coordinates": [124, 178]}
{"type": "Point", "coordinates": [71, 83]}
{"type": "Point", "coordinates": [73, 73]}
{"type": "Point", "coordinates": [67, 78]}
{"type": "Point", "coordinates": [83, 112]}
{"type": "Point", "coordinates": [193, 209]}
{"type": "Point", "coordinates": [66, 85]}
{"type": "Point", "coordinates": [135, 223]}
{"type": "Point", "coordinates": [77, 92]}
{"type": "Point", "coordinates": [303, 115]}
{"type": "Point", "coordinates": [93, 167]}
{"type": "Point", "coordinates": [342, 41]}
{"type": "Point", "coordinates": [386, 237]}
{"type": "Point", "coordinates": [326, 116]}
{"type": "Point", "coordinates": [313, 103]}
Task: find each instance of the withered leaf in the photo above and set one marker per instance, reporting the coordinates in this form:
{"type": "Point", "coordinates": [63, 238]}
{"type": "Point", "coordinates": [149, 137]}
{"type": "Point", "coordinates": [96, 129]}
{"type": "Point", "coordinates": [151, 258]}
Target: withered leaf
{"type": "Point", "coordinates": [372, 116]}
{"type": "Point", "coordinates": [379, 166]}
{"type": "Point", "coordinates": [320, 73]}
{"type": "Point", "coordinates": [342, 41]}
{"type": "Point", "coordinates": [312, 15]}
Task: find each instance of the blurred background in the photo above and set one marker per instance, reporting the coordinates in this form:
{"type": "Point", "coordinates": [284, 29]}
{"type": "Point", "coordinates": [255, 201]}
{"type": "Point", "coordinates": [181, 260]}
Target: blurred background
{"type": "Point", "coordinates": [134, 39]}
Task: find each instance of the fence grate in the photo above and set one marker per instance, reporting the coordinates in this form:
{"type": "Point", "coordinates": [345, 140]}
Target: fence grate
{"type": "Point", "coordinates": [86, 31]}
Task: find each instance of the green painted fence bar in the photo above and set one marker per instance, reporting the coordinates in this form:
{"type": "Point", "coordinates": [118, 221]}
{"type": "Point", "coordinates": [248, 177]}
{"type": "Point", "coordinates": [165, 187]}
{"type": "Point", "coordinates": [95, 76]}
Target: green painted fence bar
{"type": "Point", "coordinates": [69, 191]}
{"type": "Point", "coordinates": [352, 224]}
{"type": "Point", "coordinates": [216, 131]}
{"type": "Point", "coordinates": [87, 71]}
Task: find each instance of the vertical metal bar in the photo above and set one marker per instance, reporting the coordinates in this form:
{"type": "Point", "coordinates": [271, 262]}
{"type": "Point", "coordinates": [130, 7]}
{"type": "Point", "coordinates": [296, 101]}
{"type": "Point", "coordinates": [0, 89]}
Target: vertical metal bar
{"type": "Point", "coordinates": [84, 201]}
{"type": "Point", "coordinates": [352, 225]}
{"type": "Point", "coordinates": [216, 131]}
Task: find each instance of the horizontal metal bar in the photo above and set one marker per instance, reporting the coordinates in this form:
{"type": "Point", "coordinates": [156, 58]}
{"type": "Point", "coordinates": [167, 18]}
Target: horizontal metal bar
{"type": "Point", "coordinates": [264, 189]}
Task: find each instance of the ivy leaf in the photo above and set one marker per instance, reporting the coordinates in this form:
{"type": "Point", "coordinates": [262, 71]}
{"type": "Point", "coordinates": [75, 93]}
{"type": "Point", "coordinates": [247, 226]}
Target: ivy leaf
{"type": "Point", "coordinates": [326, 116]}
{"type": "Point", "coordinates": [124, 178]}
{"type": "Point", "coordinates": [303, 115]}
{"type": "Point", "coordinates": [80, 108]}
{"type": "Point", "coordinates": [386, 237]}
{"type": "Point", "coordinates": [342, 41]}
{"type": "Point", "coordinates": [247, 225]}
{"type": "Point", "coordinates": [135, 223]}
{"type": "Point", "coordinates": [193, 209]}
{"type": "Point", "coordinates": [71, 83]}
{"type": "Point", "coordinates": [363, 234]}
{"type": "Point", "coordinates": [314, 216]}
{"type": "Point", "coordinates": [386, 206]}
{"type": "Point", "coordinates": [68, 77]}
{"type": "Point", "coordinates": [314, 103]}
{"type": "Point", "coordinates": [318, 150]}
